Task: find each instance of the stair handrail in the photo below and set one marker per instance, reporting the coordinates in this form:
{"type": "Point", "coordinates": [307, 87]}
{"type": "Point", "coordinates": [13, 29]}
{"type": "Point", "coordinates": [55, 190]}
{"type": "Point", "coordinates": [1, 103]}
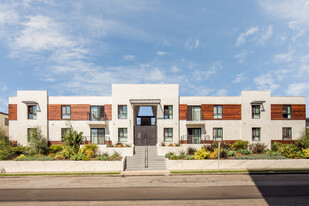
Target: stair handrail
{"type": "Point", "coordinates": [146, 152]}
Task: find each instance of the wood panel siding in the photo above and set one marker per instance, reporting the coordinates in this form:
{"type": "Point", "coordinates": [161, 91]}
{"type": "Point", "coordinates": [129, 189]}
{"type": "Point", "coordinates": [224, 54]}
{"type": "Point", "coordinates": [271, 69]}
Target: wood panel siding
{"type": "Point", "coordinates": [182, 112]}
{"type": "Point", "coordinates": [80, 111]}
{"type": "Point", "coordinates": [108, 111]}
{"type": "Point", "coordinates": [231, 111]}
{"type": "Point", "coordinates": [54, 112]}
{"type": "Point", "coordinates": [298, 112]}
{"type": "Point", "coordinates": [12, 111]}
{"type": "Point", "coordinates": [207, 111]}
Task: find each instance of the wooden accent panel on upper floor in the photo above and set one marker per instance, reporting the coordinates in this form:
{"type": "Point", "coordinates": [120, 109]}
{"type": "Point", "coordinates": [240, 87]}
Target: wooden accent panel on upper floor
{"type": "Point", "coordinates": [80, 111]}
{"type": "Point", "coordinates": [108, 111]}
{"type": "Point", "coordinates": [298, 112]}
{"type": "Point", "coordinates": [231, 111]}
{"type": "Point", "coordinates": [54, 112]}
{"type": "Point", "coordinates": [182, 112]}
{"type": "Point", "coordinates": [12, 111]}
{"type": "Point", "coordinates": [207, 111]}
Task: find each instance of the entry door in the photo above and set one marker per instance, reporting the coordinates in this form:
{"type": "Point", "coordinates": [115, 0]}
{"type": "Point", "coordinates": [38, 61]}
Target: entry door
{"type": "Point", "coordinates": [145, 135]}
{"type": "Point", "coordinates": [194, 136]}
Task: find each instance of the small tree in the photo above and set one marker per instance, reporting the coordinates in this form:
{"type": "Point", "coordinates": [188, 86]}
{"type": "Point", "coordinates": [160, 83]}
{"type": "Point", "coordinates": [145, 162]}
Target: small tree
{"type": "Point", "coordinates": [37, 143]}
{"type": "Point", "coordinates": [6, 149]}
{"type": "Point", "coordinates": [303, 141]}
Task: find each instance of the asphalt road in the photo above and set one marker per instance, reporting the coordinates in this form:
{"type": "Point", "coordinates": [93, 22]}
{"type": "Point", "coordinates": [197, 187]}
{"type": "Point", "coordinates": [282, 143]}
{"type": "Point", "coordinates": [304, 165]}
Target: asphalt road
{"type": "Point", "coordinates": [287, 189]}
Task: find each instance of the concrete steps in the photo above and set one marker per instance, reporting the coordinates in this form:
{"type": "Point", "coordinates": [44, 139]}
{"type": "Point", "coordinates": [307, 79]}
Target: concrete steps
{"type": "Point", "coordinates": [137, 162]}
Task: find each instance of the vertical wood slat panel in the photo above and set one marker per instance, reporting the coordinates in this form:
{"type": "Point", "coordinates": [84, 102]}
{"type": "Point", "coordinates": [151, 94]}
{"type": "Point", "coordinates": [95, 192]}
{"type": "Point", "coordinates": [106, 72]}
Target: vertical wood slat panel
{"type": "Point", "coordinates": [12, 111]}
{"type": "Point", "coordinates": [231, 111]}
{"type": "Point", "coordinates": [182, 111]}
{"type": "Point", "coordinates": [108, 111]}
{"type": "Point", "coordinates": [80, 111]}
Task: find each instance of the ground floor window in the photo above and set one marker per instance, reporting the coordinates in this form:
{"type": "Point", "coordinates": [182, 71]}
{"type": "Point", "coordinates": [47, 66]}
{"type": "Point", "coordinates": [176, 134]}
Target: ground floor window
{"type": "Point", "coordinates": [168, 134]}
{"type": "Point", "coordinates": [97, 135]}
{"type": "Point", "coordinates": [31, 132]}
{"type": "Point", "coordinates": [256, 134]}
{"type": "Point", "coordinates": [122, 134]}
{"type": "Point", "coordinates": [194, 136]}
{"type": "Point", "coordinates": [286, 133]}
{"type": "Point", "coordinates": [218, 134]}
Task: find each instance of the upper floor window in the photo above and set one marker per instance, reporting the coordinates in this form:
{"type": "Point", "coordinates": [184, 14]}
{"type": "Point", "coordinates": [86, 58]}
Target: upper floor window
{"type": "Point", "coordinates": [194, 113]}
{"type": "Point", "coordinates": [122, 134]}
{"type": "Point", "coordinates": [97, 135]}
{"type": "Point", "coordinates": [168, 112]}
{"type": "Point", "coordinates": [256, 134]}
{"type": "Point", "coordinates": [218, 134]}
{"type": "Point", "coordinates": [217, 112]}
{"type": "Point", "coordinates": [256, 111]}
{"type": "Point", "coordinates": [32, 112]}
{"type": "Point", "coordinates": [65, 112]}
{"type": "Point", "coordinates": [96, 113]}
{"type": "Point", "coordinates": [6, 122]}
{"type": "Point", "coordinates": [168, 134]}
{"type": "Point", "coordinates": [287, 133]}
{"type": "Point", "coordinates": [122, 111]}
{"type": "Point", "coordinates": [287, 114]}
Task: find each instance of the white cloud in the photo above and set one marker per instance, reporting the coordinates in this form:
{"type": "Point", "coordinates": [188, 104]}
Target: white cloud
{"type": "Point", "coordinates": [242, 37]}
{"type": "Point", "coordinates": [267, 34]}
{"type": "Point", "coordinates": [265, 82]}
{"type": "Point", "coordinates": [8, 15]}
{"type": "Point", "coordinates": [199, 75]}
{"type": "Point", "coordinates": [299, 34]}
{"type": "Point", "coordinates": [222, 92]}
{"type": "Point", "coordinates": [162, 53]}
{"type": "Point", "coordinates": [175, 69]}
{"type": "Point", "coordinates": [156, 75]}
{"type": "Point", "coordinates": [192, 44]}
{"type": "Point", "coordinates": [239, 78]}
{"type": "Point", "coordinates": [297, 89]}
{"type": "Point", "coordinates": [286, 57]}
{"type": "Point", "coordinates": [129, 57]}
{"type": "Point", "coordinates": [241, 56]}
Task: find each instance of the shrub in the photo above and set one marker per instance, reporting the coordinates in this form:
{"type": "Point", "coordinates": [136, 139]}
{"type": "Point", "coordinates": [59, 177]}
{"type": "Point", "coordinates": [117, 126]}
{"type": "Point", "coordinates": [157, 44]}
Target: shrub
{"type": "Point", "coordinates": [273, 153]}
{"type": "Point", "coordinates": [213, 155]}
{"type": "Point", "coordinates": [37, 143]}
{"type": "Point", "coordinates": [182, 155]}
{"type": "Point", "coordinates": [189, 157]}
{"type": "Point", "coordinates": [223, 153]}
{"type": "Point", "coordinates": [290, 151]}
{"type": "Point", "coordinates": [226, 145]}
{"type": "Point", "coordinates": [89, 153]}
{"type": "Point", "coordinates": [201, 154]}
{"type": "Point", "coordinates": [239, 144]}
{"type": "Point", "coordinates": [210, 148]}
{"type": "Point", "coordinates": [162, 144]}
{"type": "Point", "coordinates": [244, 151]}
{"type": "Point", "coordinates": [104, 158]}
{"type": "Point", "coordinates": [6, 149]}
{"type": "Point", "coordinates": [73, 140]}
{"type": "Point", "coordinates": [258, 148]}
{"type": "Point", "coordinates": [231, 153]}
{"type": "Point", "coordinates": [18, 150]}
{"type": "Point", "coordinates": [238, 154]}
{"type": "Point", "coordinates": [119, 144]}
{"type": "Point", "coordinates": [115, 156]}
{"type": "Point", "coordinates": [55, 148]}
{"type": "Point", "coordinates": [303, 141]}
{"type": "Point", "coordinates": [89, 150]}
{"type": "Point", "coordinates": [305, 153]}
{"type": "Point", "coordinates": [259, 156]}
{"type": "Point", "coordinates": [168, 155]}
{"type": "Point", "coordinates": [22, 157]}
{"type": "Point", "coordinates": [66, 152]}
{"type": "Point", "coordinates": [275, 146]}
{"type": "Point", "coordinates": [191, 150]}
{"type": "Point", "coordinates": [171, 145]}
{"type": "Point", "coordinates": [174, 157]}
{"type": "Point", "coordinates": [51, 155]}
{"type": "Point", "coordinates": [78, 156]}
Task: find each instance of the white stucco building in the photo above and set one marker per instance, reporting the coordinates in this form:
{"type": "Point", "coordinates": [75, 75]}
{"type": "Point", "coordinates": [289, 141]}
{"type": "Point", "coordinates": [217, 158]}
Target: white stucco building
{"type": "Point", "coordinates": [254, 116]}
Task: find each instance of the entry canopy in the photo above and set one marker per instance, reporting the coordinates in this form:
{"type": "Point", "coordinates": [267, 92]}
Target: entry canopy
{"type": "Point", "coordinates": [258, 102]}
{"type": "Point", "coordinates": [145, 101]}
{"type": "Point", "coordinates": [30, 102]}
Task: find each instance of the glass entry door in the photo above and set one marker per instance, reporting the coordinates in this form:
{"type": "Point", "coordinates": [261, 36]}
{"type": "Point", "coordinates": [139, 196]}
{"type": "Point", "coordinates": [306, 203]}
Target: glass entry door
{"type": "Point", "coordinates": [194, 136]}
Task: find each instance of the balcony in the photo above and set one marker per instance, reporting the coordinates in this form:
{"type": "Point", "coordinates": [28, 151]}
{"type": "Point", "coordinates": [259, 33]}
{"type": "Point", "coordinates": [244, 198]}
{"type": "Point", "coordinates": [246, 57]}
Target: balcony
{"type": "Point", "coordinates": [195, 120]}
{"type": "Point", "coordinates": [191, 139]}
{"type": "Point", "coordinates": [96, 120]}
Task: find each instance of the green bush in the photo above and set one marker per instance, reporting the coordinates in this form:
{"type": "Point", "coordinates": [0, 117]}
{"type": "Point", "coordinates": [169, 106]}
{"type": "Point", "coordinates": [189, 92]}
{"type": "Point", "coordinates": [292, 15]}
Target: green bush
{"type": "Point", "coordinates": [115, 156]}
{"type": "Point", "coordinates": [258, 148]}
{"type": "Point", "coordinates": [55, 148]}
{"type": "Point", "coordinates": [303, 141]}
{"type": "Point", "coordinates": [22, 157]}
{"type": "Point", "coordinates": [18, 150]}
{"type": "Point", "coordinates": [168, 155]}
{"type": "Point", "coordinates": [6, 149]}
{"type": "Point", "coordinates": [290, 151]}
{"type": "Point", "coordinates": [231, 153]}
{"type": "Point", "coordinates": [239, 144]}
{"type": "Point", "coordinates": [272, 153]}
{"type": "Point", "coordinates": [201, 154]}
{"type": "Point", "coordinates": [191, 151]}
{"type": "Point", "coordinates": [37, 143]}
{"type": "Point", "coordinates": [78, 156]}
{"type": "Point", "coordinates": [66, 152]}
{"type": "Point", "coordinates": [189, 157]}
{"type": "Point", "coordinates": [259, 156]}
{"type": "Point", "coordinates": [182, 155]}
{"type": "Point", "coordinates": [73, 140]}
{"type": "Point", "coordinates": [104, 157]}
{"type": "Point", "coordinates": [275, 146]}
{"type": "Point", "coordinates": [223, 153]}
{"type": "Point", "coordinates": [244, 151]}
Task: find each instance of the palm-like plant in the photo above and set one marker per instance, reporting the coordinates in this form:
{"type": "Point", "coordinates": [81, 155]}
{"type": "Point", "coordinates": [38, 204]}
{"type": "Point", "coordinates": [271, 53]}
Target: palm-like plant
{"type": "Point", "coordinates": [73, 139]}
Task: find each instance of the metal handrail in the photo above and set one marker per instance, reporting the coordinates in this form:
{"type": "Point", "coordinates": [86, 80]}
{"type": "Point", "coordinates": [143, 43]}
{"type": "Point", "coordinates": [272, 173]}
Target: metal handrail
{"type": "Point", "coordinates": [146, 152]}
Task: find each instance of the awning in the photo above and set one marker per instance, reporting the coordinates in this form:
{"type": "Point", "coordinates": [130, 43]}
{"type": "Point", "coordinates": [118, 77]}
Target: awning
{"type": "Point", "coordinates": [145, 101]}
{"type": "Point", "coordinates": [258, 102]}
{"type": "Point", "coordinates": [30, 102]}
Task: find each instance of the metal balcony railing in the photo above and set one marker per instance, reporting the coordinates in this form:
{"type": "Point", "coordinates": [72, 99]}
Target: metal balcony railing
{"type": "Point", "coordinates": [93, 117]}
{"type": "Point", "coordinates": [192, 139]}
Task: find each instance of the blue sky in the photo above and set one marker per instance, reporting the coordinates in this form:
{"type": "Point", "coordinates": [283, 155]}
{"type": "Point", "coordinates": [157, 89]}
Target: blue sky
{"type": "Point", "coordinates": [211, 48]}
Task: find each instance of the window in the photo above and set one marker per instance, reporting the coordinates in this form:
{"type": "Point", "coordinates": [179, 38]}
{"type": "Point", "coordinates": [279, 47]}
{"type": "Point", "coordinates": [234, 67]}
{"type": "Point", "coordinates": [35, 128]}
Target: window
{"type": "Point", "coordinates": [168, 134]}
{"type": "Point", "coordinates": [218, 134]}
{"type": "Point", "coordinates": [168, 112]}
{"type": "Point", "coordinates": [218, 112]}
{"type": "Point", "coordinates": [286, 133]}
{"type": "Point", "coordinates": [256, 111]}
{"type": "Point", "coordinates": [97, 135]}
{"type": "Point", "coordinates": [194, 113]}
{"type": "Point", "coordinates": [122, 135]}
{"type": "Point", "coordinates": [287, 112]}
{"type": "Point", "coordinates": [32, 112]}
{"type": "Point", "coordinates": [194, 136]}
{"type": "Point", "coordinates": [256, 134]}
{"type": "Point", "coordinates": [122, 111]}
{"type": "Point", "coordinates": [64, 132]}
{"type": "Point", "coordinates": [65, 112]}
{"type": "Point", "coordinates": [31, 132]}
{"type": "Point", "coordinates": [97, 113]}
{"type": "Point", "coordinates": [6, 122]}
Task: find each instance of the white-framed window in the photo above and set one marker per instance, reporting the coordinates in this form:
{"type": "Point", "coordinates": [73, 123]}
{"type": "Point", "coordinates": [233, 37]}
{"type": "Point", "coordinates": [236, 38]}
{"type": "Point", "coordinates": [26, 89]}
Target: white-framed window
{"type": "Point", "coordinates": [97, 113]}
{"type": "Point", "coordinates": [217, 110]}
{"type": "Point", "coordinates": [218, 134]}
{"type": "Point", "coordinates": [65, 112]}
{"type": "Point", "coordinates": [168, 112]}
{"type": "Point", "coordinates": [122, 134]}
{"type": "Point", "coordinates": [168, 134]}
{"type": "Point", "coordinates": [97, 135]}
{"type": "Point", "coordinates": [32, 111]}
{"type": "Point", "coordinates": [122, 112]}
{"type": "Point", "coordinates": [256, 134]}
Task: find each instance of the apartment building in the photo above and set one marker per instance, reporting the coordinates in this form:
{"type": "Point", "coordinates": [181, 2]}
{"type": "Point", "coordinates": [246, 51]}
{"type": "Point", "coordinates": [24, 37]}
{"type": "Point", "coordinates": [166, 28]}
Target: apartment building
{"type": "Point", "coordinates": [4, 122]}
{"type": "Point", "coordinates": [255, 116]}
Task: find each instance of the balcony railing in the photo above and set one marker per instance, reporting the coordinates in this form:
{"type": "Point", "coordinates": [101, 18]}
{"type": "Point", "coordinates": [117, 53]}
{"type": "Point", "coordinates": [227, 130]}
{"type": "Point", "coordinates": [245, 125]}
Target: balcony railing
{"type": "Point", "coordinates": [190, 117]}
{"type": "Point", "coordinates": [192, 139]}
{"type": "Point", "coordinates": [93, 117]}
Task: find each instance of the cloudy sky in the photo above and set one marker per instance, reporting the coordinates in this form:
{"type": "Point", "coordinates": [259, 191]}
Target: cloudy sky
{"type": "Point", "coordinates": [210, 48]}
